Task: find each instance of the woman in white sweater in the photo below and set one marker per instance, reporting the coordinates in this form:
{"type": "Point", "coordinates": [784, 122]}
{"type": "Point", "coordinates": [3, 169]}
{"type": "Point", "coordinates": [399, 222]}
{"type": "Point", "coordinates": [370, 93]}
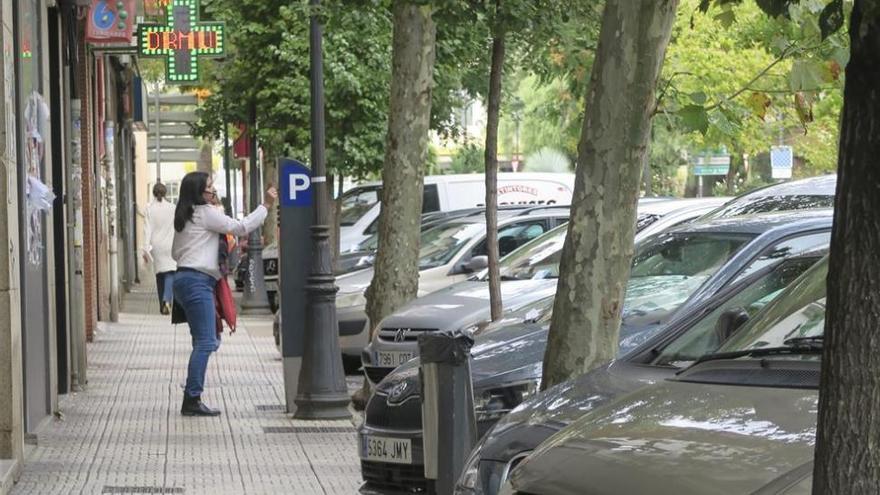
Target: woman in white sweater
{"type": "Point", "coordinates": [159, 234]}
{"type": "Point", "coordinates": [198, 226]}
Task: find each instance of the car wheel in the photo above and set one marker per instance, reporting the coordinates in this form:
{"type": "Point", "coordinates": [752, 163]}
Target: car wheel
{"type": "Point", "coordinates": [351, 365]}
{"type": "Point", "coordinates": [273, 301]}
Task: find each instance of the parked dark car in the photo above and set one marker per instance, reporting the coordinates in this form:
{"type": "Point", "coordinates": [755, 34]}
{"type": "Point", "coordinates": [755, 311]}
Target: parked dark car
{"type": "Point", "coordinates": [805, 194]}
{"type": "Point", "coordinates": [734, 421]}
{"type": "Point", "coordinates": [507, 362]}
{"type": "Point", "coordinates": [698, 332]}
{"type": "Point", "coordinates": [671, 271]}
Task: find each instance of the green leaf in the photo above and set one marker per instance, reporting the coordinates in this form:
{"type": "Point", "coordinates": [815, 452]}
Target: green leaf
{"type": "Point", "coordinates": [774, 8]}
{"type": "Point", "coordinates": [726, 18]}
{"type": "Point", "coordinates": [699, 98]}
{"type": "Point", "coordinates": [831, 18]}
{"type": "Point", "coordinates": [695, 118]}
{"type": "Point", "coordinates": [807, 75]}
{"type": "Point", "coordinates": [719, 121]}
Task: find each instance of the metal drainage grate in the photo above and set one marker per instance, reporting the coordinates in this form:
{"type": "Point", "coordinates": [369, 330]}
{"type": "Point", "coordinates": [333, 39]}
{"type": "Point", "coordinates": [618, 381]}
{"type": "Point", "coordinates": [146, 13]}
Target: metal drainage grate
{"type": "Point", "coordinates": [307, 429]}
{"type": "Point", "coordinates": [271, 407]}
{"type": "Point", "coordinates": [141, 489]}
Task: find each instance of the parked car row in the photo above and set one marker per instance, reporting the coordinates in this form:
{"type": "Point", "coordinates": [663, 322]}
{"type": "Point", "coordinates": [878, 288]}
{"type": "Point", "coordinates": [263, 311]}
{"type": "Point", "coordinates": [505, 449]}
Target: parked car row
{"type": "Point", "coordinates": [701, 291]}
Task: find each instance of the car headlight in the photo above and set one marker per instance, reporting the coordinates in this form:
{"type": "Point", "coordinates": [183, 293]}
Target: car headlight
{"type": "Point", "coordinates": [348, 299]}
{"type": "Point", "coordinates": [494, 403]}
{"type": "Point", "coordinates": [469, 481]}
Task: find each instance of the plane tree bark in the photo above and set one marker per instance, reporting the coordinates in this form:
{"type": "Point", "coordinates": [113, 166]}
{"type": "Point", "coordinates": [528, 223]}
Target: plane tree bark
{"type": "Point", "coordinates": [612, 151]}
{"type": "Point", "coordinates": [396, 269]}
{"type": "Point", "coordinates": [847, 452]}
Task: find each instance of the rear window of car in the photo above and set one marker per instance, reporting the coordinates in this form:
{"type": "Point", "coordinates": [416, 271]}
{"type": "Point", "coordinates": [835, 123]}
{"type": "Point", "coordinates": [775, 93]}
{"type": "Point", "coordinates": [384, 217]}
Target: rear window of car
{"type": "Point", "coordinates": [752, 204]}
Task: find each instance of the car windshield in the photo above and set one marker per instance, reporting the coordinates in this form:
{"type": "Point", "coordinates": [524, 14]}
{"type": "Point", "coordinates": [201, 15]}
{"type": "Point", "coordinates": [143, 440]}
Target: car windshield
{"type": "Point", "coordinates": [670, 267]}
{"type": "Point", "coordinates": [536, 259]}
{"type": "Point", "coordinates": [540, 258]}
{"type": "Point", "coordinates": [368, 244]}
{"type": "Point", "coordinates": [701, 336]}
{"type": "Point", "coordinates": [355, 203]}
{"type": "Point", "coordinates": [761, 203]}
{"type": "Point", "coordinates": [440, 244]}
{"type": "Point", "coordinates": [798, 313]}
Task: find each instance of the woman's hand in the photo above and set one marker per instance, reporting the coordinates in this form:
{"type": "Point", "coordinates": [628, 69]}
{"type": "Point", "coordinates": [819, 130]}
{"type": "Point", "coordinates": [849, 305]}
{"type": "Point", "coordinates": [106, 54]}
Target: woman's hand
{"type": "Point", "coordinates": [270, 197]}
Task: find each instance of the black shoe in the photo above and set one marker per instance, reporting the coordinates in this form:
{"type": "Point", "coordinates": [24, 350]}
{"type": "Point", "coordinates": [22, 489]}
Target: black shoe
{"type": "Point", "coordinates": [193, 406]}
{"type": "Point", "coordinates": [165, 309]}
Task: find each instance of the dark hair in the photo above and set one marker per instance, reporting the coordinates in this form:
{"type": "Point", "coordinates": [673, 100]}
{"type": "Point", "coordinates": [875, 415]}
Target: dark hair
{"type": "Point", "coordinates": [160, 191]}
{"type": "Point", "coordinates": [192, 189]}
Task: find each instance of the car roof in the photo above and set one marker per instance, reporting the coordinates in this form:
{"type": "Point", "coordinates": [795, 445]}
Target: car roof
{"type": "Point", "coordinates": [823, 185]}
{"type": "Point", "coordinates": [762, 222]}
{"type": "Point", "coordinates": [665, 206]}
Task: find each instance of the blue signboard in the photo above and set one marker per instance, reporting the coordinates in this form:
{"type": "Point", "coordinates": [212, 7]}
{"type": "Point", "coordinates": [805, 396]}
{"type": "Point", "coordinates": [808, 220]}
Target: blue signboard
{"type": "Point", "coordinates": [296, 184]}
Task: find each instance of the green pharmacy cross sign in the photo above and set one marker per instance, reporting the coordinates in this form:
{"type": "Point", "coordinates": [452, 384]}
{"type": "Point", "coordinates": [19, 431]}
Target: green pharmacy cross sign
{"type": "Point", "coordinates": [181, 40]}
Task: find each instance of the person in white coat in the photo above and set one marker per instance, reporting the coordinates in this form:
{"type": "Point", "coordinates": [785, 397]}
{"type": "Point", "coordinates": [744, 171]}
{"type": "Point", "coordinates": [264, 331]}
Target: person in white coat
{"type": "Point", "coordinates": [159, 236]}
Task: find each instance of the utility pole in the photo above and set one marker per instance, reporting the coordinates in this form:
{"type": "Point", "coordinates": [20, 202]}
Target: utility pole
{"type": "Point", "coordinates": [322, 393]}
{"type": "Point", "coordinates": [255, 300]}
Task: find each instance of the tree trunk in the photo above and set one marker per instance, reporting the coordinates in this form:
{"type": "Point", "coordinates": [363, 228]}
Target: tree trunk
{"type": "Point", "coordinates": [270, 176]}
{"type": "Point", "coordinates": [206, 158]}
{"type": "Point", "coordinates": [847, 455]}
{"type": "Point", "coordinates": [492, 118]}
{"type": "Point", "coordinates": [612, 151]}
{"type": "Point", "coordinates": [396, 278]}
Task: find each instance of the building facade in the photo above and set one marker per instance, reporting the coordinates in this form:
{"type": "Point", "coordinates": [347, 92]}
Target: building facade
{"type": "Point", "coordinates": [68, 221]}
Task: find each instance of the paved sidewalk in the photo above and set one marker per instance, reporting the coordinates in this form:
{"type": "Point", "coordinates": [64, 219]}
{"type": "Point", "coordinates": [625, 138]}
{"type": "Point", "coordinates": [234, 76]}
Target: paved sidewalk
{"type": "Point", "coordinates": [124, 434]}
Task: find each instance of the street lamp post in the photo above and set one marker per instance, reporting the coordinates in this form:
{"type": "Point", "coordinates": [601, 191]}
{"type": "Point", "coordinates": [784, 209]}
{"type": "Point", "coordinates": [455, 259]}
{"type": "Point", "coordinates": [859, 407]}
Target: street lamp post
{"type": "Point", "coordinates": [255, 301]}
{"type": "Point", "coordinates": [321, 393]}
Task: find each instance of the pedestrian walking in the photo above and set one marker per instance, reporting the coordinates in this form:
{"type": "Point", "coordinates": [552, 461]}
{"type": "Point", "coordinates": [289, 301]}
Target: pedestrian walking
{"type": "Point", "coordinates": [198, 226]}
{"type": "Point", "coordinates": [159, 235]}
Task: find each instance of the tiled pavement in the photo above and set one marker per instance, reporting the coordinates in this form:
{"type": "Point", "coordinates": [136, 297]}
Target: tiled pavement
{"type": "Point", "coordinates": [124, 433]}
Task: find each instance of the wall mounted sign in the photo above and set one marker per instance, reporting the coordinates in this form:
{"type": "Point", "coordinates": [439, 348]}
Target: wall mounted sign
{"type": "Point", "coordinates": [182, 40]}
{"type": "Point", "coordinates": [110, 21]}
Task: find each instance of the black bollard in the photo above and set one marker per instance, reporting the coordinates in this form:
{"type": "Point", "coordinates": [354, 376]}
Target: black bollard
{"type": "Point", "coordinates": [449, 426]}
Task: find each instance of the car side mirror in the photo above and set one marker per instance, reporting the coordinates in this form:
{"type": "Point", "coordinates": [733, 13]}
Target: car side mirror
{"type": "Point", "coordinates": [729, 322]}
{"type": "Point", "coordinates": [477, 263]}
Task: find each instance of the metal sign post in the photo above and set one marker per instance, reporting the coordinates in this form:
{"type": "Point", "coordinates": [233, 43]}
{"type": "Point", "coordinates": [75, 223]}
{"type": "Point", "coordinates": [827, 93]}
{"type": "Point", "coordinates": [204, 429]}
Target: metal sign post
{"type": "Point", "coordinates": [295, 253]}
{"type": "Point", "coordinates": [709, 165]}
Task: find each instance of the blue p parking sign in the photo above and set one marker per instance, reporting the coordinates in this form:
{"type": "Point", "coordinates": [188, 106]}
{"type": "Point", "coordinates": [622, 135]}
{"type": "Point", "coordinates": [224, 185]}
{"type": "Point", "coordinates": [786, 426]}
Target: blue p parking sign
{"type": "Point", "coordinates": [296, 184]}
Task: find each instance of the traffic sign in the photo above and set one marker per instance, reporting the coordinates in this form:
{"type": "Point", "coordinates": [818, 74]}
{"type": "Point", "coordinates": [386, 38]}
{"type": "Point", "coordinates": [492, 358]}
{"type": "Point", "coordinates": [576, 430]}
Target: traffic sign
{"type": "Point", "coordinates": [711, 169]}
{"type": "Point", "coordinates": [712, 165]}
{"type": "Point", "coordinates": [296, 184]}
{"type": "Point", "coordinates": [781, 161]}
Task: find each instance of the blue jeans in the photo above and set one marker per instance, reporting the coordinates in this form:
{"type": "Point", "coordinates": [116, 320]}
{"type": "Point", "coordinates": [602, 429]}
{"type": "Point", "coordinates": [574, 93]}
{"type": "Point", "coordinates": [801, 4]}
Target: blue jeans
{"type": "Point", "coordinates": [164, 286]}
{"type": "Point", "coordinates": [194, 292]}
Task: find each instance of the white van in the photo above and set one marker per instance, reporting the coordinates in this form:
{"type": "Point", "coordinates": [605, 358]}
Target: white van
{"type": "Point", "coordinates": [360, 205]}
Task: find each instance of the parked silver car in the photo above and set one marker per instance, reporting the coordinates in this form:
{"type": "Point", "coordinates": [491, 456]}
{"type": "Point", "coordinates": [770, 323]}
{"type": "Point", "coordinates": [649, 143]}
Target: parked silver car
{"type": "Point", "coordinates": [733, 422]}
{"type": "Point", "coordinates": [450, 252]}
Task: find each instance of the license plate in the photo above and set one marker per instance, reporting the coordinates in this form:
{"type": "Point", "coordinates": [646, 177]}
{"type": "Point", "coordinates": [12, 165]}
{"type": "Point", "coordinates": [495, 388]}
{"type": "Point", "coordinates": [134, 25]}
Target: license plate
{"type": "Point", "coordinates": [392, 359]}
{"type": "Point", "coordinates": [393, 450]}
